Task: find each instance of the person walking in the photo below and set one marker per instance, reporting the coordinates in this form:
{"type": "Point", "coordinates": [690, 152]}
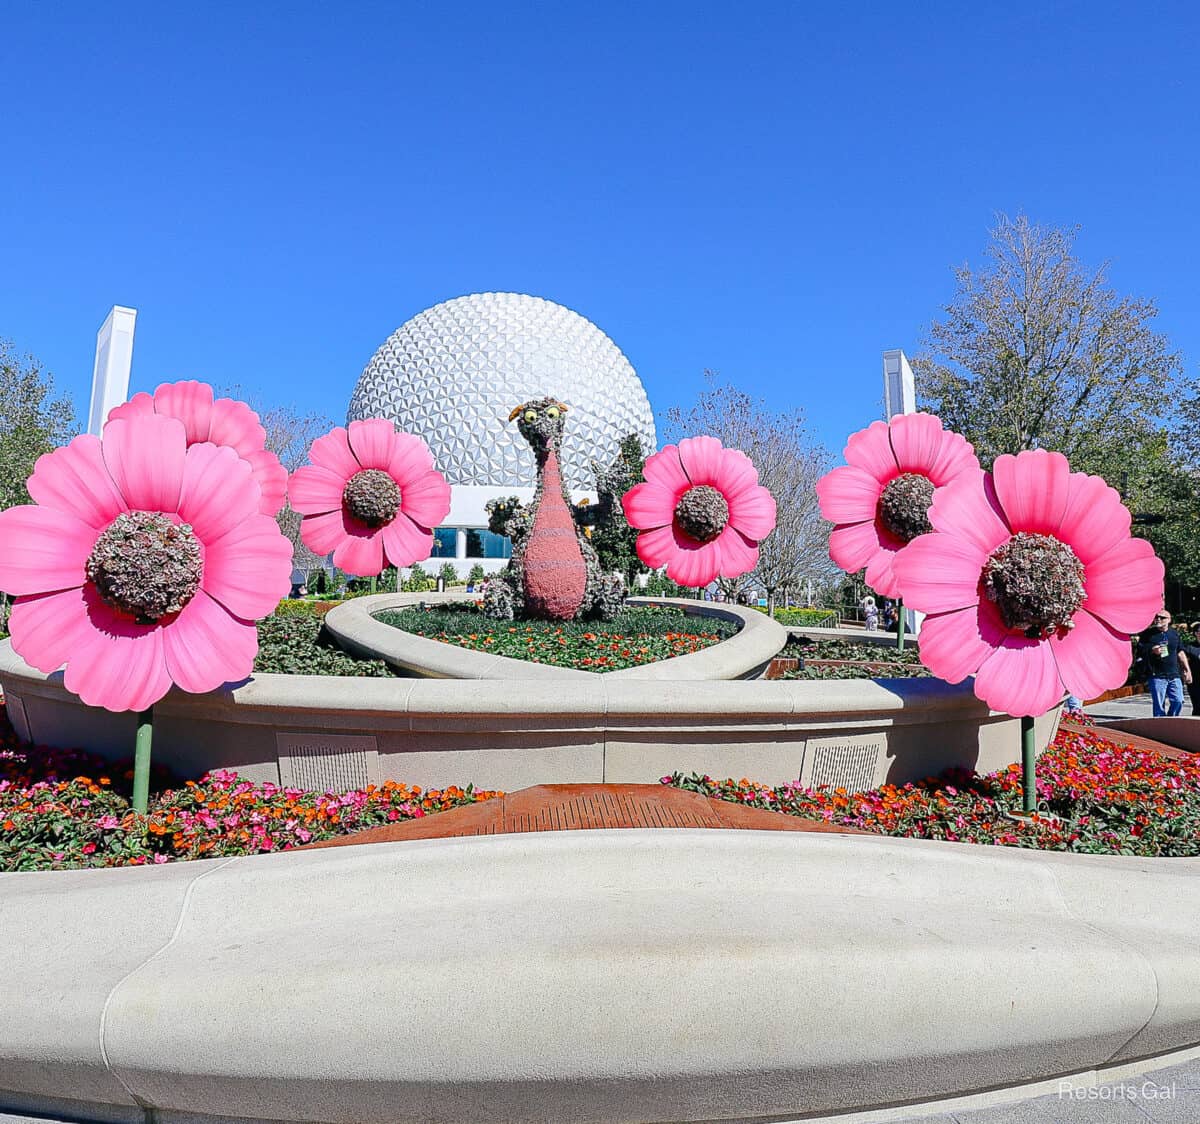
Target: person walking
{"type": "Point", "coordinates": [1192, 651]}
{"type": "Point", "coordinates": [1161, 650]}
{"type": "Point", "coordinates": [870, 613]}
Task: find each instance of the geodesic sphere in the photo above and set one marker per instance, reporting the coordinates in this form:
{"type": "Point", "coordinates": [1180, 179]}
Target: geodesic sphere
{"type": "Point", "coordinates": [453, 374]}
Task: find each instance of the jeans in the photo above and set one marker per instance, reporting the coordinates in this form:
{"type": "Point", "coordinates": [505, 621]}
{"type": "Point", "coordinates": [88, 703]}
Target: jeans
{"type": "Point", "coordinates": [1164, 691]}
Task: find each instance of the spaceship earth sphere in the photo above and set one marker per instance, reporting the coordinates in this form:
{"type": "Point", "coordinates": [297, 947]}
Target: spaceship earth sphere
{"type": "Point", "coordinates": [453, 374]}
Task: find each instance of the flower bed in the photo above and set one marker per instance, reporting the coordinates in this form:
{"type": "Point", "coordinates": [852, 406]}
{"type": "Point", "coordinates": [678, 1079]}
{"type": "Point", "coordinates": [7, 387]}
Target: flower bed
{"type": "Point", "coordinates": [843, 659]}
{"type": "Point", "coordinates": [1102, 798]}
{"type": "Point", "coordinates": [63, 809]}
{"type": "Point", "coordinates": [291, 642]}
{"type": "Point", "coordinates": [635, 637]}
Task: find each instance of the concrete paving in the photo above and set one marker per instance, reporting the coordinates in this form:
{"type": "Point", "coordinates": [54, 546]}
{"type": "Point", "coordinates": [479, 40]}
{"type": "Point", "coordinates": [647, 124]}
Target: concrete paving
{"type": "Point", "coordinates": [1164, 1096]}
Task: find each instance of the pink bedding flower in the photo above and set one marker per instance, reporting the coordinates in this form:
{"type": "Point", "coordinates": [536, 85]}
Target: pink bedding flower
{"type": "Point", "coordinates": [701, 511]}
{"type": "Point", "coordinates": [370, 493]}
{"type": "Point", "coordinates": [143, 562]}
{"type": "Point", "coordinates": [224, 421]}
{"type": "Point", "coordinates": [1032, 583]}
{"type": "Point", "coordinates": [880, 498]}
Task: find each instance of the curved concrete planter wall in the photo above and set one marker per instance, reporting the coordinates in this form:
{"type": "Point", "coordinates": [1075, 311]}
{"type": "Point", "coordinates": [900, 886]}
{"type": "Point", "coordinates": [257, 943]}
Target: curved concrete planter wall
{"type": "Point", "coordinates": [743, 656]}
{"type": "Point", "coordinates": [589, 976]}
{"type": "Point", "coordinates": [326, 732]}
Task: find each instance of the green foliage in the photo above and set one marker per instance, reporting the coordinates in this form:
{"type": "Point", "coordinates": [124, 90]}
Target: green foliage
{"type": "Point", "coordinates": [448, 574]}
{"type": "Point", "coordinates": [477, 575]}
{"type": "Point", "coordinates": [613, 540]}
{"type": "Point", "coordinates": [1036, 351]}
{"type": "Point", "coordinates": [32, 421]}
{"type": "Point", "coordinates": [292, 643]}
{"type": "Point", "coordinates": [659, 585]}
{"type": "Point", "coordinates": [810, 618]}
{"type": "Point", "coordinates": [636, 636]}
{"type": "Point", "coordinates": [418, 581]}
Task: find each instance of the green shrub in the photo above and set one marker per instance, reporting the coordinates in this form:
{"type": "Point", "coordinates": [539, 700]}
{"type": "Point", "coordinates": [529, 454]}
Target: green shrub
{"type": "Point", "coordinates": [293, 643]}
{"type": "Point", "coordinates": [807, 618]}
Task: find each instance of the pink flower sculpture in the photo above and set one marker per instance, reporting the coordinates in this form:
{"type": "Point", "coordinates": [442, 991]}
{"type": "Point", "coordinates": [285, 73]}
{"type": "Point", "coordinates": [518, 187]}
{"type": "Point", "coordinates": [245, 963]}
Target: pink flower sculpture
{"type": "Point", "coordinates": [1032, 583]}
{"type": "Point", "coordinates": [223, 421]}
{"type": "Point", "coordinates": [370, 493]}
{"type": "Point", "coordinates": [880, 498]}
{"type": "Point", "coordinates": [701, 511]}
{"type": "Point", "coordinates": [142, 563]}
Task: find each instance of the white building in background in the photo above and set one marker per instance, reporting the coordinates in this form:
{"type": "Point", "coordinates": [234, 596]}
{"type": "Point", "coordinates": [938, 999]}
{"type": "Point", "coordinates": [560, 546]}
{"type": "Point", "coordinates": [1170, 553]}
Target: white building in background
{"type": "Point", "coordinates": [114, 358]}
{"type": "Point", "coordinates": [453, 374]}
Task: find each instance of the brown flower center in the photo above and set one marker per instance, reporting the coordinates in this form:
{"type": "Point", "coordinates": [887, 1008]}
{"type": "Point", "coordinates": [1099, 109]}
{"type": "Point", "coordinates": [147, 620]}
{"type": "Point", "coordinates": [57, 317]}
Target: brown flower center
{"type": "Point", "coordinates": [904, 506]}
{"type": "Point", "coordinates": [372, 497]}
{"type": "Point", "coordinates": [1036, 582]}
{"type": "Point", "coordinates": [146, 566]}
{"type": "Point", "coordinates": [702, 513]}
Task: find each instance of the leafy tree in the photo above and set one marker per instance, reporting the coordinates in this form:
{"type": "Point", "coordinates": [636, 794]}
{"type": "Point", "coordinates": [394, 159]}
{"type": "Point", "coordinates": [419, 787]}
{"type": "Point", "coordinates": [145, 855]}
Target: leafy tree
{"type": "Point", "coordinates": [476, 575]}
{"type": "Point", "coordinates": [790, 461]}
{"type": "Point", "coordinates": [32, 421]}
{"type": "Point", "coordinates": [1037, 351]}
{"type": "Point", "coordinates": [448, 574]}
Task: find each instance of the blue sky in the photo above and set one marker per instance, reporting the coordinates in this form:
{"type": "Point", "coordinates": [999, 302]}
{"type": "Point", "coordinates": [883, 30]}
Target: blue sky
{"type": "Point", "coordinates": [774, 190]}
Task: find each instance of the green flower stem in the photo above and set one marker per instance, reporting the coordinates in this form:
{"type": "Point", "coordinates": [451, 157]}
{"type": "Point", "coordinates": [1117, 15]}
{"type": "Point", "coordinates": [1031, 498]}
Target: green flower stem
{"type": "Point", "coordinates": [374, 582]}
{"type": "Point", "coordinates": [141, 761]}
{"type": "Point", "coordinates": [900, 624]}
{"type": "Point", "coordinates": [1028, 767]}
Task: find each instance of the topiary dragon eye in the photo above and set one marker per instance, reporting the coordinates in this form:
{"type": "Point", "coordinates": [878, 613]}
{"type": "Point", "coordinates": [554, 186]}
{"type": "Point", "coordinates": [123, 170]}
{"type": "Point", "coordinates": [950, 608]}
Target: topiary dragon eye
{"type": "Point", "coordinates": [552, 412]}
{"type": "Point", "coordinates": [531, 415]}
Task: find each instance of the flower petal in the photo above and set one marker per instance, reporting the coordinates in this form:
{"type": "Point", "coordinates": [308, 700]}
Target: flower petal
{"type": "Point", "coordinates": [73, 479]}
{"type": "Point", "coordinates": [333, 452]}
{"type": "Point", "coordinates": [752, 511]}
{"type": "Point", "coordinates": [881, 571]}
{"type": "Point", "coordinates": [360, 554]}
{"type": "Point", "coordinates": [697, 566]}
{"type": "Point", "coordinates": [205, 647]}
{"type": "Point", "coordinates": [46, 627]}
{"type": "Point", "coordinates": [939, 573]}
{"type": "Point", "coordinates": [1092, 658]}
{"type": "Point", "coordinates": [138, 406]}
{"type": "Point", "coordinates": [44, 549]}
{"type": "Point", "coordinates": [236, 425]}
{"type": "Point", "coordinates": [871, 450]}
{"type": "Point", "coordinates": [144, 456]}
{"type": "Point", "coordinates": [372, 442]}
{"type": "Point", "coordinates": [701, 459]}
{"type": "Point", "coordinates": [1032, 489]}
{"type": "Point", "coordinates": [955, 645]}
{"type": "Point", "coordinates": [1124, 585]}
{"type": "Point", "coordinates": [648, 505]}
{"type": "Point", "coordinates": [425, 499]}
{"type": "Point", "coordinates": [192, 403]}
{"type": "Point", "coordinates": [968, 508]}
{"type": "Point", "coordinates": [852, 547]}
{"type": "Point", "coordinates": [848, 495]}
{"type": "Point", "coordinates": [272, 480]}
{"type": "Point", "coordinates": [1020, 677]}
{"type": "Point", "coordinates": [664, 469]}
{"type": "Point", "coordinates": [735, 473]}
{"type": "Point", "coordinates": [249, 568]}
{"type": "Point", "coordinates": [116, 663]}
{"type": "Point", "coordinates": [954, 456]}
{"type": "Point", "coordinates": [656, 547]}
{"type": "Point", "coordinates": [218, 491]}
{"type": "Point", "coordinates": [313, 490]}
{"type": "Point", "coordinates": [916, 441]}
{"type": "Point", "coordinates": [405, 543]}
{"type": "Point", "coordinates": [1095, 519]}
{"type": "Point", "coordinates": [739, 555]}
{"type": "Point", "coordinates": [323, 533]}
{"type": "Point", "coordinates": [410, 459]}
